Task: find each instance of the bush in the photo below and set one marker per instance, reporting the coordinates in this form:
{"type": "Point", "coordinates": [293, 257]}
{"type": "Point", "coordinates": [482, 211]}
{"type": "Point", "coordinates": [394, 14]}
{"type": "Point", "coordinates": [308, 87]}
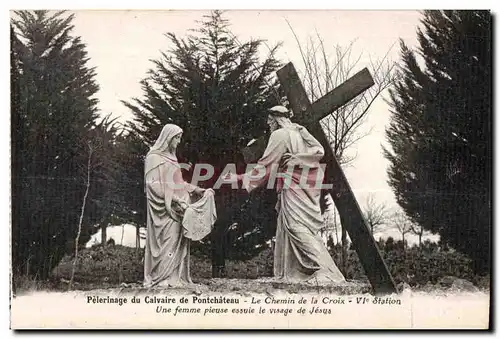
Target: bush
{"type": "Point", "coordinates": [112, 265]}
{"type": "Point", "coordinates": [102, 266]}
{"type": "Point", "coordinates": [259, 266]}
{"type": "Point", "coordinates": [415, 266]}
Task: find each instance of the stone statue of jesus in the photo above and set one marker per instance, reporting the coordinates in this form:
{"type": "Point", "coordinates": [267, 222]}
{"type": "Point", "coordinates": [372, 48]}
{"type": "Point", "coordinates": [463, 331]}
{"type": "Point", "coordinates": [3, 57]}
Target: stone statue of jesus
{"type": "Point", "coordinates": [300, 254]}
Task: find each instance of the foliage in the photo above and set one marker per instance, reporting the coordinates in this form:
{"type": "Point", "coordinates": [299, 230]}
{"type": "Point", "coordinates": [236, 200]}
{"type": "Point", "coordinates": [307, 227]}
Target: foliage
{"type": "Point", "coordinates": [53, 109]}
{"type": "Point", "coordinates": [440, 134]}
{"type": "Point", "coordinates": [106, 193]}
{"type": "Point", "coordinates": [416, 265]}
{"type": "Point", "coordinates": [104, 265]}
{"type": "Point", "coordinates": [216, 89]}
{"type": "Point", "coordinates": [112, 265]}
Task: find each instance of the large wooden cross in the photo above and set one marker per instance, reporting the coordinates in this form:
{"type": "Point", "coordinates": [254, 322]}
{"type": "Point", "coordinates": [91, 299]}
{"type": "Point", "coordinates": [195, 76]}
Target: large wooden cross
{"type": "Point", "coordinates": [309, 115]}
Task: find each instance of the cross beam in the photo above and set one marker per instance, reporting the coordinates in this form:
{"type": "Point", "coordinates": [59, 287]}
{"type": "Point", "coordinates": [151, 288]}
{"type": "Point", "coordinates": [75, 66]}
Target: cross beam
{"type": "Point", "coordinates": [327, 104]}
{"type": "Point", "coordinates": [350, 213]}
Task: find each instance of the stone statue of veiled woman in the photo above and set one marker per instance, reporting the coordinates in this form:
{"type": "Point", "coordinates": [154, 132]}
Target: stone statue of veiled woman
{"type": "Point", "coordinates": [166, 261]}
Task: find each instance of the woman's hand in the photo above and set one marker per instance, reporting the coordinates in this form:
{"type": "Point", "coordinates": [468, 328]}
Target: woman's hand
{"type": "Point", "coordinates": [199, 191]}
{"type": "Point", "coordinates": [232, 177]}
{"type": "Point", "coordinates": [183, 205]}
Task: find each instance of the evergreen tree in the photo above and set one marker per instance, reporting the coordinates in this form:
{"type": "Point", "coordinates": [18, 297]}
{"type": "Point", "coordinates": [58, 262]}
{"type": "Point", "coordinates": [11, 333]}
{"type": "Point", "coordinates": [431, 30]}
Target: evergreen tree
{"type": "Point", "coordinates": [440, 134]}
{"type": "Point", "coordinates": [108, 178]}
{"type": "Point", "coordinates": [53, 110]}
{"type": "Point", "coordinates": [131, 151]}
{"type": "Point", "coordinates": [217, 89]}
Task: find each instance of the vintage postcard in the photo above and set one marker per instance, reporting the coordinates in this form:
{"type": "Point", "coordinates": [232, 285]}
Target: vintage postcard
{"type": "Point", "coordinates": [251, 169]}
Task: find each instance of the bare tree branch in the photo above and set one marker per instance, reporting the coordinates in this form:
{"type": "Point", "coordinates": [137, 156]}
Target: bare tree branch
{"type": "Point", "coordinates": [322, 74]}
{"type": "Point", "coordinates": [418, 231]}
{"type": "Point", "coordinates": [376, 214]}
{"type": "Point", "coordinates": [84, 202]}
{"type": "Point", "coordinates": [402, 223]}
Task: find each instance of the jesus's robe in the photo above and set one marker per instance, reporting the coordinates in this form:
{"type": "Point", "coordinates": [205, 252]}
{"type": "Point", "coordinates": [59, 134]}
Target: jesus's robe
{"type": "Point", "coordinates": [300, 254]}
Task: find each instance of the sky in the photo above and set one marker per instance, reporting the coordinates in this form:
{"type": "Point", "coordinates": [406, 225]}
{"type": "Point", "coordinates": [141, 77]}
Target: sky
{"type": "Point", "coordinates": [122, 43]}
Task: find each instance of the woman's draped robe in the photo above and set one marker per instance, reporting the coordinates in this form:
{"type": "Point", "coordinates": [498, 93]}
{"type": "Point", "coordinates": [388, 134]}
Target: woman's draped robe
{"type": "Point", "coordinates": [300, 254]}
{"type": "Point", "coordinates": [166, 260]}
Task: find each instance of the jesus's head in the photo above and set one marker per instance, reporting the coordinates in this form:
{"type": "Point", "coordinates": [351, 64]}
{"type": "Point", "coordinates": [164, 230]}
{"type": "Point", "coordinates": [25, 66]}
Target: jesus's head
{"type": "Point", "coordinates": [278, 117]}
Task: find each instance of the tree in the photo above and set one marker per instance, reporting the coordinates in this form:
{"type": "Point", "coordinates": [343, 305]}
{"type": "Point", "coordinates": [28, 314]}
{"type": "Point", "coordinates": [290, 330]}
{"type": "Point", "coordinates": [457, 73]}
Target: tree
{"type": "Point", "coordinates": [440, 134]}
{"type": "Point", "coordinates": [418, 231]}
{"type": "Point", "coordinates": [53, 110]}
{"type": "Point", "coordinates": [218, 91]}
{"type": "Point", "coordinates": [375, 214]}
{"type": "Point", "coordinates": [403, 224]}
{"type": "Point", "coordinates": [330, 221]}
{"type": "Point", "coordinates": [16, 147]}
{"type": "Point", "coordinates": [130, 153]}
{"type": "Point", "coordinates": [107, 191]}
{"type": "Point", "coordinates": [343, 127]}
{"type": "Point", "coordinates": [323, 73]}
{"type": "Point", "coordinates": [84, 205]}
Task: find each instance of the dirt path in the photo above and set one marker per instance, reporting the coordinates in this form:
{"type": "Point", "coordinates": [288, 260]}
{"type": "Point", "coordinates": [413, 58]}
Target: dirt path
{"type": "Point", "coordinates": [259, 286]}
